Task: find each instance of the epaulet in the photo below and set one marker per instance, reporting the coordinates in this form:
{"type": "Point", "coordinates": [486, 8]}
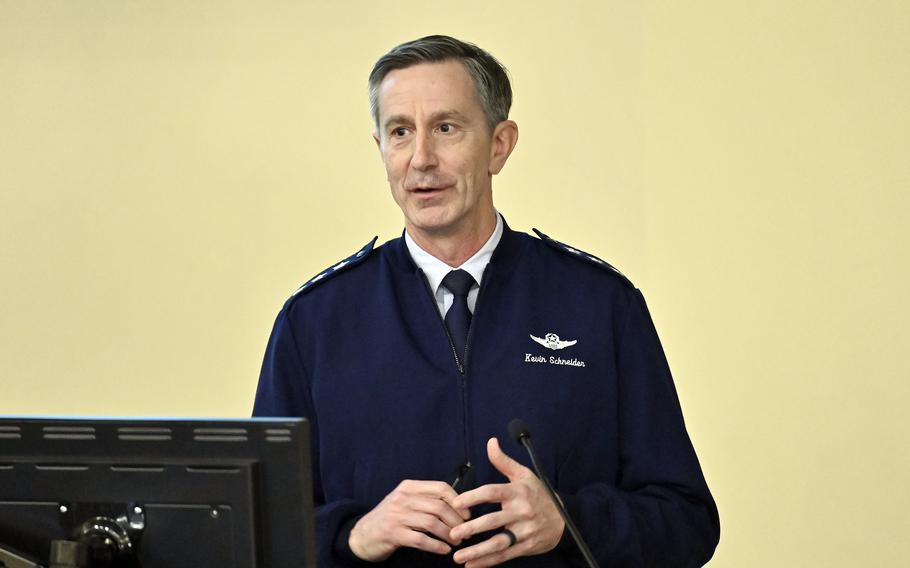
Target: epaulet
{"type": "Point", "coordinates": [582, 255]}
{"type": "Point", "coordinates": [337, 269]}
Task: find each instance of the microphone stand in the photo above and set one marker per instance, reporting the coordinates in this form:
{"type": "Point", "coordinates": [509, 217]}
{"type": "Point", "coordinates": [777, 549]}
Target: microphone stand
{"type": "Point", "coordinates": [524, 438]}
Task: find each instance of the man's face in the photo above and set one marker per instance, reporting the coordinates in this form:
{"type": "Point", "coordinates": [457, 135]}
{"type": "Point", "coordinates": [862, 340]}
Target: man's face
{"type": "Point", "coordinates": [437, 148]}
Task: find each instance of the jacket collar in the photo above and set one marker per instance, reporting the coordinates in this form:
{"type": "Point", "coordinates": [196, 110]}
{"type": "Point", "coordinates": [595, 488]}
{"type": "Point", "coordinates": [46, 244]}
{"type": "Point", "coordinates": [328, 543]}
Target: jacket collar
{"type": "Point", "coordinates": [504, 256]}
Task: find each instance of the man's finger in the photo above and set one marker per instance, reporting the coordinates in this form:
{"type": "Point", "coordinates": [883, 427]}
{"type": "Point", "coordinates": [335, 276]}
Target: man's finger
{"type": "Point", "coordinates": [462, 511]}
{"type": "Point", "coordinates": [438, 489]}
{"type": "Point", "coordinates": [514, 551]}
{"type": "Point", "coordinates": [492, 545]}
{"type": "Point", "coordinates": [503, 463]}
{"type": "Point", "coordinates": [438, 509]}
{"type": "Point", "coordinates": [491, 493]}
{"type": "Point", "coordinates": [414, 539]}
{"type": "Point", "coordinates": [481, 524]}
{"type": "Point", "coordinates": [496, 558]}
{"type": "Point", "coordinates": [429, 524]}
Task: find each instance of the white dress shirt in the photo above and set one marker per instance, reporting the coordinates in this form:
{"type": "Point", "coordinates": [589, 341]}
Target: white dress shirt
{"type": "Point", "coordinates": [435, 269]}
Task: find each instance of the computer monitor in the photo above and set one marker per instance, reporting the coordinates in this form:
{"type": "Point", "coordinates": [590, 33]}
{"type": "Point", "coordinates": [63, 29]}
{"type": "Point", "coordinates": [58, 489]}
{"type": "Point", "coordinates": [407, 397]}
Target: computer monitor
{"type": "Point", "coordinates": [156, 493]}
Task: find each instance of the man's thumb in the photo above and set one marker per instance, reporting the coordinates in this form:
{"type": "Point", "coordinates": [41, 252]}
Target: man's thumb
{"type": "Point", "coordinates": [503, 463]}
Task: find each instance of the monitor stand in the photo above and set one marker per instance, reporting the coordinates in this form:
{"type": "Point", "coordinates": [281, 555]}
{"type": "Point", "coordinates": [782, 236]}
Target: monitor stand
{"type": "Point", "coordinates": [104, 539]}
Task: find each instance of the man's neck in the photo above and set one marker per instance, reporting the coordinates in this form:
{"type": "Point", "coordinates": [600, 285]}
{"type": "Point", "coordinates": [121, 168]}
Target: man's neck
{"type": "Point", "coordinates": [456, 248]}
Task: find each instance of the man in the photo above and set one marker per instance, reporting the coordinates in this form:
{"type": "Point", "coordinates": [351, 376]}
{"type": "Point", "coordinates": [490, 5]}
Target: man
{"type": "Point", "coordinates": [411, 358]}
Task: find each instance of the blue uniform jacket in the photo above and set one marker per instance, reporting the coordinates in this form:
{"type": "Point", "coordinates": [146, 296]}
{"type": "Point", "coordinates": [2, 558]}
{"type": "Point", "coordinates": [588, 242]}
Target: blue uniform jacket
{"type": "Point", "coordinates": [362, 352]}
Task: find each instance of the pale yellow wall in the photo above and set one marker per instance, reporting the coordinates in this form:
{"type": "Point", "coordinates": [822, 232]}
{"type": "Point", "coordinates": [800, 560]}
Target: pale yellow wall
{"type": "Point", "coordinates": [170, 171]}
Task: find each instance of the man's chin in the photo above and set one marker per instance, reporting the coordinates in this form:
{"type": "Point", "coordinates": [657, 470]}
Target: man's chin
{"type": "Point", "coordinates": [431, 221]}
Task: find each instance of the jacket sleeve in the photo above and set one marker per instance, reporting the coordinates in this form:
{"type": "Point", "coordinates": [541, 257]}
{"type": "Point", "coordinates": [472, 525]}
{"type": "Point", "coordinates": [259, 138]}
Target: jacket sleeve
{"type": "Point", "coordinates": [284, 390]}
{"type": "Point", "coordinates": [659, 512]}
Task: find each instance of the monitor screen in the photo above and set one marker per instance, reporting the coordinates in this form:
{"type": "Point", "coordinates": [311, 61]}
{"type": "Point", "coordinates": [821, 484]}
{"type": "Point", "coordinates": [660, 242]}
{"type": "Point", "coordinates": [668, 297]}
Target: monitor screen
{"type": "Point", "coordinates": [155, 493]}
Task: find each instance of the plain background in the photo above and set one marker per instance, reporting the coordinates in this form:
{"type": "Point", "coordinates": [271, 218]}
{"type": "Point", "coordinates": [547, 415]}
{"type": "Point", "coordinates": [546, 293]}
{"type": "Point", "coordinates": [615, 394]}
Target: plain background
{"type": "Point", "coordinates": [171, 171]}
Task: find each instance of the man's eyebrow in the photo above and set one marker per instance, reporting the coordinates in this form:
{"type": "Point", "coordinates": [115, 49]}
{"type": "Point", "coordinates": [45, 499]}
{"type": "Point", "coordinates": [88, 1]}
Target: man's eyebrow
{"type": "Point", "coordinates": [435, 117]}
{"type": "Point", "coordinates": [450, 114]}
{"type": "Point", "coordinates": [395, 119]}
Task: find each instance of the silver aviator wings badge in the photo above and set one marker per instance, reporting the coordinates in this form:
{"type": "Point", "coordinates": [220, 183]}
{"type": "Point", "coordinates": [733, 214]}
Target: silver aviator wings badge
{"type": "Point", "coordinates": [552, 341]}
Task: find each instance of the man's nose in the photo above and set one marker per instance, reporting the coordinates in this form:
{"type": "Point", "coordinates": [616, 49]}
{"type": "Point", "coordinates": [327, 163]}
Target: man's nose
{"type": "Point", "coordinates": [424, 152]}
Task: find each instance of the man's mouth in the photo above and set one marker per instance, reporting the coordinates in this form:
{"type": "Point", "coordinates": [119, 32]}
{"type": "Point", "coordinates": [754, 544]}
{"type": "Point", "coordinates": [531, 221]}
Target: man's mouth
{"type": "Point", "coordinates": [427, 191]}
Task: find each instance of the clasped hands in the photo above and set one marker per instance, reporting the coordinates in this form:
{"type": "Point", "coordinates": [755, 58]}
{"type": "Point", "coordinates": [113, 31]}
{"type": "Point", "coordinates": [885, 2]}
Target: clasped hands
{"type": "Point", "coordinates": [417, 509]}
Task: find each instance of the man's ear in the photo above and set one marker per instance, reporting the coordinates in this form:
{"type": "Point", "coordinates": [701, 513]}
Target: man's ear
{"type": "Point", "coordinates": [378, 142]}
{"type": "Point", "coordinates": [505, 136]}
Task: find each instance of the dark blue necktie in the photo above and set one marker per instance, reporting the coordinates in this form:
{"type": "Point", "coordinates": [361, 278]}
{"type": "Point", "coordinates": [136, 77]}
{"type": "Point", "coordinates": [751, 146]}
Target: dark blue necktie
{"type": "Point", "coordinates": [458, 318]}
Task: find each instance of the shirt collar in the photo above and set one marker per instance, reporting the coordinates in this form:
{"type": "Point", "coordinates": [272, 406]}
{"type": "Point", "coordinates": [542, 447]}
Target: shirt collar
{"type": "Point", "coordinates": [435, 269]}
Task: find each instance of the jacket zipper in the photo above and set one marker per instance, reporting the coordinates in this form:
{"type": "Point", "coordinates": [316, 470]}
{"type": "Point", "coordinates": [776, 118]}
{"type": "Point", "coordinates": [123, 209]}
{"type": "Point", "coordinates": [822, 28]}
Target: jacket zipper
{"type": "Point", "coordinates": [467, 349]}
{"type": "Point", "coordinates": [459, 364]}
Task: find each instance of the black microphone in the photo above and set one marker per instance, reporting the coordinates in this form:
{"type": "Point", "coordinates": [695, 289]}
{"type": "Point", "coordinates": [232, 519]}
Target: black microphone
{"type": "Point", "coordinates": [518, 429]}
{"type": "Point", "coordinates": [520, 432]}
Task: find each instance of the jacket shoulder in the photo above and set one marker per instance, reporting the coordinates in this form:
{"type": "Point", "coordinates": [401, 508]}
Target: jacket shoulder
{"type": "Point", "coordinates": [583, 256]}
{"type": "Point", "coordinates": [344, 265]}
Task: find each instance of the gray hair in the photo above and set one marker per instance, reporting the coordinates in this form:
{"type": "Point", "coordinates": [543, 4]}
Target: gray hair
{"type": "Point", "coordinates": [491, 81]}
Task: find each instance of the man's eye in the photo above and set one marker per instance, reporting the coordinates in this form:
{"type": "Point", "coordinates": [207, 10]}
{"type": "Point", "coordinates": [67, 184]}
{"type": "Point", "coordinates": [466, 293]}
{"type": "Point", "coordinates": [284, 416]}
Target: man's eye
{"type": "Point", "coordinates": [445, 128]}
{"type": "Point", "coordinates": [399, 132]}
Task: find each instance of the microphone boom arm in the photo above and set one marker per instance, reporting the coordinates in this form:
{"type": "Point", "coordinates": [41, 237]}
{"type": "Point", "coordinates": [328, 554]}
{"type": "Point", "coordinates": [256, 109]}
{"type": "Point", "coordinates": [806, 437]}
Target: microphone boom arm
{"type": "Point", "coordinates": [519, 431]}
